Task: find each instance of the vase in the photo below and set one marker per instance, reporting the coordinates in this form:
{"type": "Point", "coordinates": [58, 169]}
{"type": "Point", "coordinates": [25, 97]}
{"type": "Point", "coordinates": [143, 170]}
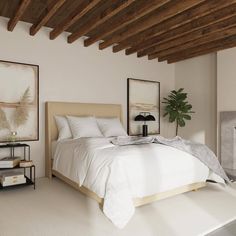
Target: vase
{"type": "Point", "coordinates": [12, 137]}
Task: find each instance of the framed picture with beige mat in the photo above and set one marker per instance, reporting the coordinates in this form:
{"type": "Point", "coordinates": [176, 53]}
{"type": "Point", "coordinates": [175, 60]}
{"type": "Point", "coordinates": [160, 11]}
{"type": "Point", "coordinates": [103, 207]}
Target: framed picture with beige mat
{"type": "Point", "coordinates": [19, 102]}
{"type": "Point", "coordinates": [143, 100]}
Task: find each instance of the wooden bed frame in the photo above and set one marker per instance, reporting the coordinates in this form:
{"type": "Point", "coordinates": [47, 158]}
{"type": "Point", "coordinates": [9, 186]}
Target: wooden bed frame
{"type": "Point", "coordinates": [98, 110]}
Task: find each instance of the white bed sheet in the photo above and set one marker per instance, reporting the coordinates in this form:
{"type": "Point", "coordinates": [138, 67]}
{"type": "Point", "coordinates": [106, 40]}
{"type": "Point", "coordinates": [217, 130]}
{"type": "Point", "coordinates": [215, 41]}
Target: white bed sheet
{"type": "Point", "coordinates": [120, 173]}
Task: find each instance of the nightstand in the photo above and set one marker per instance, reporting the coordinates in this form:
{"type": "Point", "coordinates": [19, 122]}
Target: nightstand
{"type": "Point", "coordinates": [29, 172]}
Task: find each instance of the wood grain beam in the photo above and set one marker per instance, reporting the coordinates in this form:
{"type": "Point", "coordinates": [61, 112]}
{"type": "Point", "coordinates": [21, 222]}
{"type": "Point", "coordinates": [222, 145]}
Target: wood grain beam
{"type": "Point", "coordinates": [144, 7]}
{"type": "Point", "coordinates": [19, 12]}
{"type": "Point", "coordinates": [45, 17]}
{"type": "Point", "coordinates": [204, 49]}
{"type": "Point", "coordinates": [96, 21]}
{"type": "Point", "coordinates": [76, 15]}
{"type": "Point", "coordinates": [163, 55]}
{"type": "Point", "coordinates": [168, 46]}
{"type": "Point", "coordinates": [210, 15]}
{"type": "Point", "coordinates": [175, 9]}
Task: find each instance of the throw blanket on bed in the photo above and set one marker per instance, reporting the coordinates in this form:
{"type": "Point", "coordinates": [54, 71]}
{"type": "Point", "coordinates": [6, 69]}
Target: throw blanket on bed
{"type": "Point", "coordinates": [198, 150]}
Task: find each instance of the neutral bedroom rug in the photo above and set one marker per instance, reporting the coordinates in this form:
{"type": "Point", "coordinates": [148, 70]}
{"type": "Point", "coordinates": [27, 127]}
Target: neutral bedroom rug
{"type": "Point", "coordinates": [54, 208]}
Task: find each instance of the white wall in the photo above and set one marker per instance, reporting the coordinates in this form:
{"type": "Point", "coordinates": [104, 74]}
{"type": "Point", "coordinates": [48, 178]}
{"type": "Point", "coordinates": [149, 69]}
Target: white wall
{"type": "Point", "coordinates": [198, 77]}
{"type": "Point", "coordinates": [71, 72]}
{"type": "Point", "coordinates": [226, 83]}
{"type": "Point", "coordinates": [226, 80]}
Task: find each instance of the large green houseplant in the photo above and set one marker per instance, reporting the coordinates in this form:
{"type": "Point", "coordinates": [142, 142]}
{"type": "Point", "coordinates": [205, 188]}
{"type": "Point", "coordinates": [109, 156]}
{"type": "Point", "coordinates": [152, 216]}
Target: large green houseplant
{"type": "Point", "coordinates": [177, 108]}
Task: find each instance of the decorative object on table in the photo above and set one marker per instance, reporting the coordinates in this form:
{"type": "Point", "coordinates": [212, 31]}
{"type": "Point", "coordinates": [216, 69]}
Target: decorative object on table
{"type": "Point", "coordinates": [11, 178]}
{"type": "Point", "coordinates": [24, 173]}
{"type": "Point", "coordinates": [143, 96]}
{"type": "Point", "coordinates": [24, 163]}
{"type": "Point", "coordinates": [228, 142]}
{"type": "Point", "coordinates": [18, 102]}
{"type": "Point", "coordinates": [13, 135]}
{"type": "Point", "coordinates": [9, 162]}
{"type": "Point", "coordinates": [178, 108]}
{"type": "Point", "coordinates": [145, 116]}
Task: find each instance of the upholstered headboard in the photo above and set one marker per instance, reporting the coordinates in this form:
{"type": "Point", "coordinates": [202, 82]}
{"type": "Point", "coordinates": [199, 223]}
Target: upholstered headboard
{"type": "Point", "coordinates": [74, 109]}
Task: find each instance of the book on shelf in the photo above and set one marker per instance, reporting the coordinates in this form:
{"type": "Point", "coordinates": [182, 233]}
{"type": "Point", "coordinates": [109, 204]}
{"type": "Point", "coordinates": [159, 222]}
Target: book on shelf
{"type": "Point", "coordinates": [8, 178]}
{"type": "Point", "coordinates": [9, 162]}
{"type": "Point", "coordinates": [13, 182]}
{"type": "Point", "coordinates": [24, 163]}
{"type": "Point", "coordinates": [11, 175]}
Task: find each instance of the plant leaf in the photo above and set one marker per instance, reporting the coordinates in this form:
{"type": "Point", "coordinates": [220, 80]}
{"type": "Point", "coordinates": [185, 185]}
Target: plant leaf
{"type": "Point", "coordinates": [187, 117]}
{"type": "Point", "coordinates": [181, 122]}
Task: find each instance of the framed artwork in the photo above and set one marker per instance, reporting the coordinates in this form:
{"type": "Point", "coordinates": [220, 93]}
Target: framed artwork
{"type": "Point", "coordinates": [19, 102]}
{"type": "Point", "coordinates": [143, 97]}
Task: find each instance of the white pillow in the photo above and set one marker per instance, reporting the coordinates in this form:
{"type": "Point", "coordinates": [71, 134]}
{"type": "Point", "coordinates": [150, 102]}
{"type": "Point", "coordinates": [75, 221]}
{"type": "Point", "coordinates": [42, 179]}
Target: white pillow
{"type": "Point", "coordinates": [83, 127]}
{"type": "Point", "coordinates": [111, 127]}
{"type": "Point", "coordinates": [63, 128]}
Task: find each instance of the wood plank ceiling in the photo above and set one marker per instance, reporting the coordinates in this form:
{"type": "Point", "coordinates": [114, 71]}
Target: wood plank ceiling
{"type": "Point", "coordinates": [167, 30]}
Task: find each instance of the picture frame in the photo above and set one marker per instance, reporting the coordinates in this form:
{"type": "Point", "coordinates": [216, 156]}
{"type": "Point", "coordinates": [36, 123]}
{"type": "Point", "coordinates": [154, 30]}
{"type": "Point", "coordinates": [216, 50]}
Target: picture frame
{"type": "Point", "coordinates": [19, 96]}
{"type": "Point", "coordinates": [143, 96]}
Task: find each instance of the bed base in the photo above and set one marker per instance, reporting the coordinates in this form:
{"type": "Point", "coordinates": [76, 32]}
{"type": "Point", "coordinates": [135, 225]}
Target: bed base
{"type": "Point", "coordinates": [137, 201]}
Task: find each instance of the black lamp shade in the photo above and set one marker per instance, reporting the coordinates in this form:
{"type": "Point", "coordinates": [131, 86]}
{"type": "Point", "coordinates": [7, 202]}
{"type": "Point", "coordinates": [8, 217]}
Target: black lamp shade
{"type": "Point", "coordinates": [144, 118]}
{"type": "Point", "coordinates": [150, 118]}
{"type": "Point", "coordinates": [139, 118]}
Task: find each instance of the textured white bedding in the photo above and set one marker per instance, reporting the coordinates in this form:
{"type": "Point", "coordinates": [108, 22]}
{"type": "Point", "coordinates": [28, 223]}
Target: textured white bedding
{"type": "Point", "coordinates": [120, 173]}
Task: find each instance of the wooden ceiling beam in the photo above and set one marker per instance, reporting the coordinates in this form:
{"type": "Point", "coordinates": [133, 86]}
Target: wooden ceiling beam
{"type": "Point", "coordinates": [100, 19]}
{"type": "Point", "coordinates": [45, 17]}
{"type": "Point", "coordinates": [76, 15]}
{"type": "Point", "coordinates": [208, 17]}
{"type": "Point", "coordinates": [200, 34]}
{"type": "Point", "coordinates": [19, 12]}
{"type": "Point", "coordinates": [163, 55]}
{"type": "Point", "coordinates": [204, 49]}
{"type": "Point", "coordinates": [143, 8]}
{"type": "Point", "coordinates": [177, 7]}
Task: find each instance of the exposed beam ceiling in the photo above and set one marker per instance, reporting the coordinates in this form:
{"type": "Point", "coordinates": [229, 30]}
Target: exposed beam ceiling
{"type": "Point", "coordinates": [17, 16]}
{"type": "Point", "coordinates": [184, 43]}
{"type": "Point", "coordinates": [204, 49]}
{"type": "Point", "coordinates": [166, 12]}
{"type": "Point", "coordinates": [45, 17]}
{"type": "Point", "coordinates": [135, 13]}
{"type": "Point", "coordinates": [73, 17]}
{"type": "Point", "coordinates": [95, 22]}
{"type": "Point", "coordinates": [205, 14]}
{"type": "Point", "coordinates": [190, 36]}
{"type": "Point", "coordinates": [167, 30]}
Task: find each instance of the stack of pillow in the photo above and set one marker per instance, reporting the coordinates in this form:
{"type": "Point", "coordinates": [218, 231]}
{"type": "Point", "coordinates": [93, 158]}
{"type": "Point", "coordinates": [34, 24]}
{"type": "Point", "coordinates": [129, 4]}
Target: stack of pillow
{"type": "Point", "coordinates": [78, 127]}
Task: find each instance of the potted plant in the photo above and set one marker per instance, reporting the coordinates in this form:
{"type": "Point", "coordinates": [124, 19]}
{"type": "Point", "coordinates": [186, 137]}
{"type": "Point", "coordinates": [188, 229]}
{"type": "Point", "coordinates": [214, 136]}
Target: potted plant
{"type": "Point", "coordinates": [177, 108]}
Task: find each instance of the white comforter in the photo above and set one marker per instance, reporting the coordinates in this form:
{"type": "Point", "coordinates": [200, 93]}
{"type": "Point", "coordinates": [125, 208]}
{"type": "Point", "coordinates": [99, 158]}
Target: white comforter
{"type": "Point", "coordinates": [120, 173]}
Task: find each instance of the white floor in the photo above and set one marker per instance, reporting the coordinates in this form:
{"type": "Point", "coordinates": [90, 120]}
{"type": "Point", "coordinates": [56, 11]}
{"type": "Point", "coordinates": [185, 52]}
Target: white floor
{"type": "Point", "coordinates": [57, 209]}
{"type": "Point", "coordinates": [227, 230]}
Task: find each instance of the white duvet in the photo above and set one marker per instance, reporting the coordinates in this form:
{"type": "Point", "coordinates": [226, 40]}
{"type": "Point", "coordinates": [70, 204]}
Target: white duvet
{"type": "Point", "coordinates": [120, 173]}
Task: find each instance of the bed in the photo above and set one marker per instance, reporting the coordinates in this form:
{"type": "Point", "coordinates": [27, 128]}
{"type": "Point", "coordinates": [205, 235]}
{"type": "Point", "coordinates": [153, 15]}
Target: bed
{"type": "Point", "coordinates": [104, 110]}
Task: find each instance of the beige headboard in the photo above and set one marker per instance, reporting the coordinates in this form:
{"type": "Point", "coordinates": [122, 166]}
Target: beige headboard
{"type": "Point", "coordinates": [74, 109]}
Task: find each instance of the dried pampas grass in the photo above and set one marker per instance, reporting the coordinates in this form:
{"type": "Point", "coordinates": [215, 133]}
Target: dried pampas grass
{"type": "Point", "coordinates": [4, 124]}
{"type": "Point", "coordinates": [21, 113]}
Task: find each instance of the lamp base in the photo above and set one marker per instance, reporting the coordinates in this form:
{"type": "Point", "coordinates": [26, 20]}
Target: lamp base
{"type": "Point", "coordinates": [145, 130]}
